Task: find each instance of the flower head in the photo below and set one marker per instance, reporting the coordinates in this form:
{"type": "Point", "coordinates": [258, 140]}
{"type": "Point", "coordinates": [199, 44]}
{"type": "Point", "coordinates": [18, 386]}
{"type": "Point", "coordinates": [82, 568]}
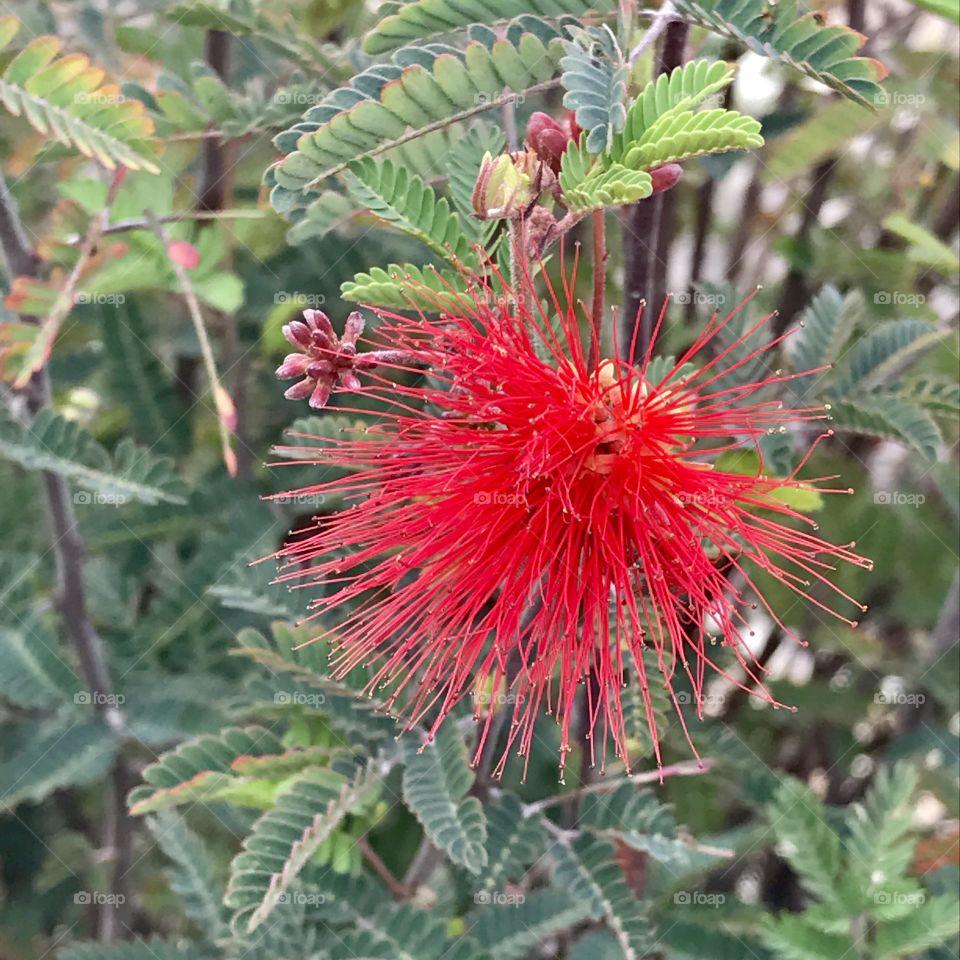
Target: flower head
{"type": "Point", "coordinates": [521, 522]}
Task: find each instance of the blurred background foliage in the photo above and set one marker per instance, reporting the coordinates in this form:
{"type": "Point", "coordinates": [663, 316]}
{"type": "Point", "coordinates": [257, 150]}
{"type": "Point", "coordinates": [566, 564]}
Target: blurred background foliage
{"type": "Point", "coordinates": [272, 813]}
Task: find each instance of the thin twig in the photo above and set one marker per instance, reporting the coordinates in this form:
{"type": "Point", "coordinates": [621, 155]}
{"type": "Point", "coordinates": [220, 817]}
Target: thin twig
{"type": "Point", "coordinates": [685, 768]}
{"type": "Point", "coordinates": [54, 320]}
{"type": "Point", "coordinates": [397, 890]}
{"type": "Point", "coordinates": [222, 400]}
{"type": "Point", "coordinates": [664, 17]}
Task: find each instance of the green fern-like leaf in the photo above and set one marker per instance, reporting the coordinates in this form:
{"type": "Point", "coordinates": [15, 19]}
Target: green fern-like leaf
{"type": "Point", "coordinates": [512, 930]}
{"type": "Point", "coordinates": [60, 753]}
{"type": "Point", "coordinates": [792, 937]}
{"type": "Point", "coordinates": [811, 846]}
{"type": "Point", "coordinates": [61, 446]}
{"type": "Point", "coordinates": [889, 417]}
{"type": "Point", "coordinates": [282, 842]}
{"type": "Point", "coordinates": [881, 353]}
{"type": "Point", "coordinates": [595, 78]}
{"type": "Point", "coordinates": [661, 127]}
{"type": "Point", "coordinates": [826, 326]}
{"type": "Point", "coordinates": [33, 669]}
{"type": "Point", "coordinates": [514, 841]}
{"type": "Point", "coordinates": [286, 652]}
{"type": "Point", "coordinates": [394, 933]}
{"type": "Point", "coordinates": [688, 135]}
{"type": "Point", "coordinates": [677, 92]}
{"type": "Point", "coordinates": [192, 877]}
{"type": "Point", "coordinates": [939, 394]}
{"type": "Point", "coordinates": [929, 923]}
{"type": "Point", "coordinates": [421, 89]}
{"type": "Point", "coordinates": [326, 214]}
{"type": "Point", "coordinates": [400, 197]}
{"type": "Point", "coordinates": [589, 872]}
{"type": "Point", "coordinates": [590, 184]}
{"type": "Point", "coordinates": [780, 31]}
{"type": "Point", "coordinates": [200, 768]}
{"type": "Point", "coordinates": [407, 287]}
{"type": "Point", "coordinates": [64, 98]}
{"type": "Point", "coordinates": [425, 18]}
{"type": "Point", "coordinates": [436, 779]}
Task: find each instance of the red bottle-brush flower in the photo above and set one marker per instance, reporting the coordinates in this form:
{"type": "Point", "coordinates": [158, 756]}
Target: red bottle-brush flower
{"type": "Point", "coordinates": [519, 522]}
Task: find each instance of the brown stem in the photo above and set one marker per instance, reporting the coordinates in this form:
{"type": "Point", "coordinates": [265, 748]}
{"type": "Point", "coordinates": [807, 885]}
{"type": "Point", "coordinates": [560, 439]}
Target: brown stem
{"type": "Point", "coordinates": [213, 179]}
{"type": "Point", "coordinates": [646, 230]}
{"type": "Point", "coordinates": [599, 285]}
{"type": "Point", "coordinates": [70, 601]}
{"type": "Point", "coordinates": [397, 890]}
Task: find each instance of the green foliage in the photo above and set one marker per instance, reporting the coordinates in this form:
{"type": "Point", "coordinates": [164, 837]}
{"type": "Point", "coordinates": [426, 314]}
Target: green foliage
{"type": "Point", "coordinates": [864, 876]}
{"type": "Point", "coordinates": [192, 877]}
{"type": "Point", "coordinates": [33, 670]}
{"type": "Point", "coordinates": [595, 78]}
{"type": "Point", "coordinates": [436, 779]}
{"type": "Point", "coordinates": [514, 842]}
{"type": "Point", "coordinates": [403, 200]}
{"type": "Point", "coordinates": [512, 930]}
{"type": "Point", "coordinates": [782, 32]}
{"type": "Point", "coordinates": [863, 387]}
{"type": "Point", "coordinates": [253, 762]}
{"type": "Point", "coordinates": [588, 185]}
{"type": "Point", "coordinates": [201, 768]}
{"type": "Point", "coordinates": [419, 90]}
{"type": "Point", "coordinates": [406, 287]}
{"type": "Point", "coordinates": [463, 162]}
{"type": "Point", "coordinates": [661, 126]}
{"type": "Point", "coordinates": [65, 99]}
{"type": "Point", "coordinates": [589, 872]}
{"type": "Point", "coordinates": [281, 843]}
{"type": "Point", "coordinates": [424, 18]}
{"type": "Point", "coordinates": [61, 446]}
{"type": "Point", "coordinates": [62, 752]}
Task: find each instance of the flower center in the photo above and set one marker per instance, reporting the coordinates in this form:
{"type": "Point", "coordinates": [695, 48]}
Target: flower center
{"type": "Point", "coordinates": [615, 409]}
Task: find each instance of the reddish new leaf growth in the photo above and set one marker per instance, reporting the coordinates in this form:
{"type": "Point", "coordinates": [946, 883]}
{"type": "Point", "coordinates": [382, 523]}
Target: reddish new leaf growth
{"type": "Point", "coordinates": [520, 507]}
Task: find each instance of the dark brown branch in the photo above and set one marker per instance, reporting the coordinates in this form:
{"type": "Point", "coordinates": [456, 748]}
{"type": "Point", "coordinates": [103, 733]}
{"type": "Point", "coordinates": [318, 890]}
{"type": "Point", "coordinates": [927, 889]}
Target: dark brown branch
{"type": "Point", "coordinates": [70, 601]}
{"type": "Point", "coordinates": [646, 229]}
